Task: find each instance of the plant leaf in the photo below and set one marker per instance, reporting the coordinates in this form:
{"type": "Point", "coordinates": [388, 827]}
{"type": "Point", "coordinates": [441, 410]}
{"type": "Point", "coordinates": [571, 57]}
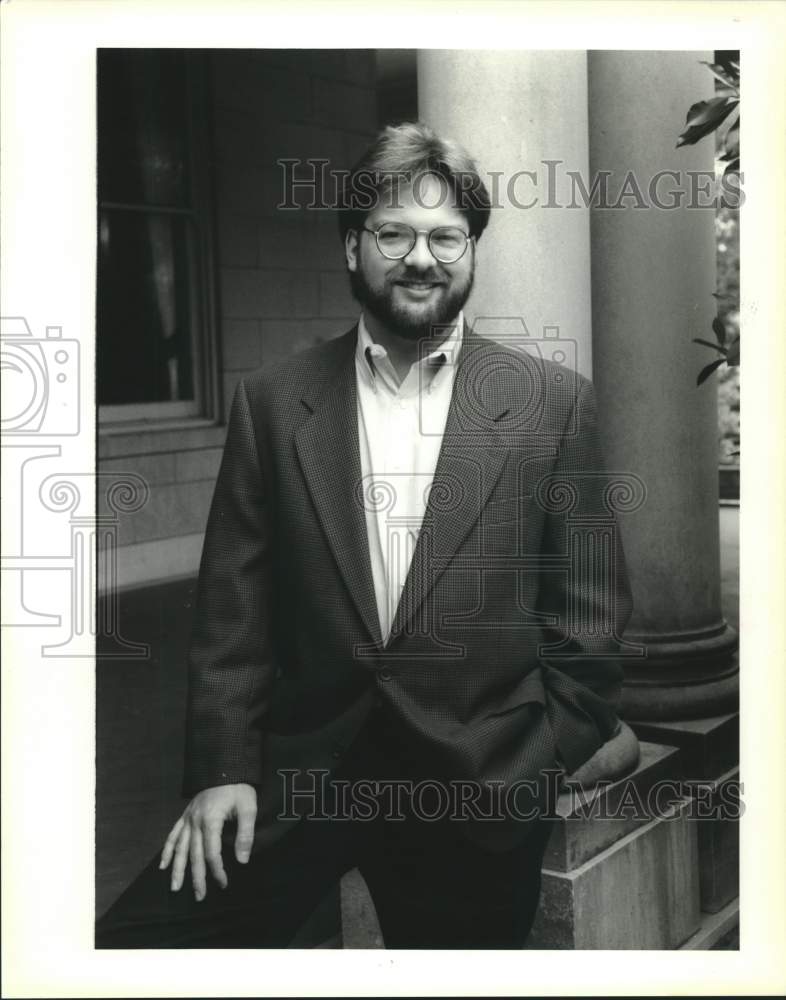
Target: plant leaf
{"type": "Point", "coordinates": [705, 373]}
{"type": "Point", "coordinates": [704, 118]}
{"type": "Point", "coordinates": [706, 343]}
{"type": "Point", "coordinates": [732, 167]}
{"type": "Point", "coordinates": [719, 329]}
{"type": "Point", "coordinates": [704, 111]}
{"type": "Point", "coordinates": [731, 140]}
{"type": "Point", "coordinates": [719, 73]}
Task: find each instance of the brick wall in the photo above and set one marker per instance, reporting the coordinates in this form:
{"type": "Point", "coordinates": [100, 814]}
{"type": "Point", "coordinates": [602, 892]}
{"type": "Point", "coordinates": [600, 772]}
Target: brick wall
{"type": "Point", "coordinates": [282, 280]}
{"type": "Point", "coordinates": [280, 276]}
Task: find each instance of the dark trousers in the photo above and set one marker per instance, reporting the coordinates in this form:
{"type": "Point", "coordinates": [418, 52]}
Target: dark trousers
{"type": "Point", "coordinates": [431, 887]}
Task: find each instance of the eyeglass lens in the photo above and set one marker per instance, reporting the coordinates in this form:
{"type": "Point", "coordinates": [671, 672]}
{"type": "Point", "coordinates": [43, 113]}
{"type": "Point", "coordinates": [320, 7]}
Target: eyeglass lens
{"type": "Point", "coordinates": [447, 243]}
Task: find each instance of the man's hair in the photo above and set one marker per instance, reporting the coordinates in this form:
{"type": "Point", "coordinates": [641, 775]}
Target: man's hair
{"type": "Point", "coordinates": [398, 157]}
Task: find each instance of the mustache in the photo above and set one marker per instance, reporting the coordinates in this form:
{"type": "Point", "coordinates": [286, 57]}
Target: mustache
{"type": "Point", "coordinates": [412, 274]}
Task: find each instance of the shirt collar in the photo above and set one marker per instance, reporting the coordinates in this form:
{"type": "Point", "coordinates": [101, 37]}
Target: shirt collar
{"type": "Point", "coordinates": [443, 359]}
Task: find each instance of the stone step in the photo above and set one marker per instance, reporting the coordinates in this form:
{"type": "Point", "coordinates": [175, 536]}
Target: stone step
{"type": "Point", "coordinates": [714, 927]}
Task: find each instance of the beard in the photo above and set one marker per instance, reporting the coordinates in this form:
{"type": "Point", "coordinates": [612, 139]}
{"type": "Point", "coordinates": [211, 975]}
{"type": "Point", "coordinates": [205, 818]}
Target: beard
{"type": "Point", "coordinates": [412, 320]}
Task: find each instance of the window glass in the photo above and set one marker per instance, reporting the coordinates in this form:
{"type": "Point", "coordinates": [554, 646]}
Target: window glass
{"type": "Point", "coordinates": [145, 345]}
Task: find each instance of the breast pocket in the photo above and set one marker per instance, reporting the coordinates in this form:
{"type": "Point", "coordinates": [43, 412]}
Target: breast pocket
{"type": "Point", "coordinates": [503, 511]}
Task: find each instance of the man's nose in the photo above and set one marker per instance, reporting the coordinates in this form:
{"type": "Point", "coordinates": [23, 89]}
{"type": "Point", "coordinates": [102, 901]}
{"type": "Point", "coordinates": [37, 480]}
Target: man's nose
{"type": "Point", "coordinates": [420, 255]}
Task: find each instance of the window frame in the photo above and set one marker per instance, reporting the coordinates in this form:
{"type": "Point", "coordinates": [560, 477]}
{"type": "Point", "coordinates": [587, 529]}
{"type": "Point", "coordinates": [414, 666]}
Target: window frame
{"type": "Point", "coordinates": [204, 409]}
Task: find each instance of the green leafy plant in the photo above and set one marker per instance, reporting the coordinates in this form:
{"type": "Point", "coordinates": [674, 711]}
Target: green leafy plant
{"type": "Point", "coordinates": [704, 118]}
{"type": "Point", "coordinates": [730, 353]}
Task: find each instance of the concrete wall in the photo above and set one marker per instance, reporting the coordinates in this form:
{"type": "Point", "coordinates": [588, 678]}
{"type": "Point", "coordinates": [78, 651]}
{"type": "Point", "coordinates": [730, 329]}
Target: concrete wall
{"type": "Point", "coordinates": [279, 276]}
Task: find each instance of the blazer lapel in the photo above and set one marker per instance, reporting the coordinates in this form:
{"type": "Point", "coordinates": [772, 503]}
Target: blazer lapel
{"type": "Point", "coordinates": [329, 454]}
{"type": "Point", "coordinates": [471, 459]}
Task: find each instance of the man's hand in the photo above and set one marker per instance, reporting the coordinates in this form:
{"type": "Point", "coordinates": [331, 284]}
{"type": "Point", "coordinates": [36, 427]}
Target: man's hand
{"type": "Point", "coordinates": [616, 757]}
{"type": "Point", "coordinates": [197, 835]}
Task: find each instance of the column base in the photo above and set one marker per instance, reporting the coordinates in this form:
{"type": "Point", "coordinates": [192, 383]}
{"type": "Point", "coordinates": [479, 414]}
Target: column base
{"type": "Point", "coordinates": [687, 676]}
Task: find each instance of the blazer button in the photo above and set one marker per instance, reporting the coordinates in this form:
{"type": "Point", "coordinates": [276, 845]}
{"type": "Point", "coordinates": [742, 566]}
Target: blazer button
{"type": "Point", "coordinates": [386, 674]}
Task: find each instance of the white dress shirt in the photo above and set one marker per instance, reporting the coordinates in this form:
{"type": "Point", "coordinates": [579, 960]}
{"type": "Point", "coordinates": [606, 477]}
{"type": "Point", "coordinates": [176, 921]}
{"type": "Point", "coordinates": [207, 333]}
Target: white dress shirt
{"type": "Point", "coordinates": [400, 427]}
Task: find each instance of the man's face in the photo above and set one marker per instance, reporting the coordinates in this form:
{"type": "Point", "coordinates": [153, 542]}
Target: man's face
{"type": "Point", "coordinates": [411, 295]}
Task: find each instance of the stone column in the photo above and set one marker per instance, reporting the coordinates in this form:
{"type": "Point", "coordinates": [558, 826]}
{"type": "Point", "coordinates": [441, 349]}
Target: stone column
{"type": "Point", "coordinates": [653, 275]}
{"type": "Point", "coordinates": [514, 111]}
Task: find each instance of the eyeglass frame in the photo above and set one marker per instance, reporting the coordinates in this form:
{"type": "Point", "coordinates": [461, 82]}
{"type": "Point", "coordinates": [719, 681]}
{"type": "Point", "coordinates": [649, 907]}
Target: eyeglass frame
{"type": "Point", "coordinates": [468, 238]}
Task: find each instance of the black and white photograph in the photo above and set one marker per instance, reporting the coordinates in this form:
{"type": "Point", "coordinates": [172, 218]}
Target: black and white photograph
{"type": "Point", "coordinates": [402, 578]}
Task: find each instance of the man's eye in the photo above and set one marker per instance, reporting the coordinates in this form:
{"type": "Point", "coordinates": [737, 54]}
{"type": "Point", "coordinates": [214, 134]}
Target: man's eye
{"type": "Point", "coordinates": [448, 238]}
{"type": "Point", "coordinates": [392, 235]}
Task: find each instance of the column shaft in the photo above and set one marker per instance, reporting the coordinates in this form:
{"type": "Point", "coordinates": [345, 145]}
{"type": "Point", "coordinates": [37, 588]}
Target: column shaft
{"type": "Point", "coordinates": [653, 275]}
{"type": "Point", "coordinates": [515, 110]}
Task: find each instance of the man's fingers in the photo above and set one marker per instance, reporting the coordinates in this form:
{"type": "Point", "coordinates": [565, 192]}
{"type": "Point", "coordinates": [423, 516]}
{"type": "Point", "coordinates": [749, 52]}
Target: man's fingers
{"type": "Point", "coordinates": [181, 858]}
{"type": "Point", "coordinates": [198, 871]}
{"type": "Point", "coordinates": [244, 840]}
{"type": "Point", "coordinates": [169, 844]}
{"type": "Point", "coordinates": [213, 852]}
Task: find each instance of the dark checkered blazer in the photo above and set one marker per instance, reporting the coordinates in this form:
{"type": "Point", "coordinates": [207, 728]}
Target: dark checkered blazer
{"type": "Point", "coordinates": [501, 661]}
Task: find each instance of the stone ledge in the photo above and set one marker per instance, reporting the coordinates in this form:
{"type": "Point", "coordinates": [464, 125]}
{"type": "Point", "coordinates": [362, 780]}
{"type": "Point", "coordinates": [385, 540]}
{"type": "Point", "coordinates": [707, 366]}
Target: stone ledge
{"type": "Point", "coordinates": [640, 893]}
{"type": "Point", "coordinates": [586, 824]}
{"type": "Point", "coordinates": [714, 927]}
{"type": "Point", "coordinates": [708, 747]}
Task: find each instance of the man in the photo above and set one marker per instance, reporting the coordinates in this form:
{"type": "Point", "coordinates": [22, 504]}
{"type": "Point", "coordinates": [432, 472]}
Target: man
{"type": "Point", "coordinates": [387, 615]}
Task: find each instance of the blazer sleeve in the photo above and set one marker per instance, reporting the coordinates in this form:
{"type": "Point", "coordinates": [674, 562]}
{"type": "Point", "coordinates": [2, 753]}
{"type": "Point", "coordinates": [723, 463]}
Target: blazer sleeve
{"type": "Point", "coordinates": [591, 602]}
{"type": "Point", "coordinates": [229, 658]}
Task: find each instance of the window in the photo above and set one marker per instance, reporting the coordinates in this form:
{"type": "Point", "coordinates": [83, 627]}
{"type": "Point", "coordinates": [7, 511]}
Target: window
{"type": "Point", "coordinates": [154, 284]}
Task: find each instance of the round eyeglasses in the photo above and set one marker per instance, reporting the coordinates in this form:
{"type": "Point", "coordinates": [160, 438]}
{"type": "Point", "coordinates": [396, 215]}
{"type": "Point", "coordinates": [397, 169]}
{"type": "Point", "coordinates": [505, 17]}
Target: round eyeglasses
{"type": "Point", "coordinates": [395, 240]}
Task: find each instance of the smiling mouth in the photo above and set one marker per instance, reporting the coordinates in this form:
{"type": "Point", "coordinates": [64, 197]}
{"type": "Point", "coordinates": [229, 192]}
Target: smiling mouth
{"type": "Point", "coordinates": [421, 285]}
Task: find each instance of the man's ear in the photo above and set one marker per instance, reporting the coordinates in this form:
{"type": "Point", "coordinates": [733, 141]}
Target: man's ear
{"type": "Point", "coordinates": [351, 249]}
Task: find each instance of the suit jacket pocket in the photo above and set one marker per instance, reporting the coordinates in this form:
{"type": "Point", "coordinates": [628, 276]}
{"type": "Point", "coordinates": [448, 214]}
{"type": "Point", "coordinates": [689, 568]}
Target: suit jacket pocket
{"type": "Point", "coordinates": [503, 511]}
{"type": "Point", "coordinates": [528, 689]}
{"type": "Point", "coordinates": [577, 721]}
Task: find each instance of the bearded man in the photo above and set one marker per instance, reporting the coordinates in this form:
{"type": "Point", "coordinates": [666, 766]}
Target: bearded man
{"type": "Point", "coordinates": [393, 664]}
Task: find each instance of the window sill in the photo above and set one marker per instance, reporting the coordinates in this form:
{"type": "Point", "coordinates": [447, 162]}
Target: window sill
{"type": "Point", "coordinates": [149, 438]}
